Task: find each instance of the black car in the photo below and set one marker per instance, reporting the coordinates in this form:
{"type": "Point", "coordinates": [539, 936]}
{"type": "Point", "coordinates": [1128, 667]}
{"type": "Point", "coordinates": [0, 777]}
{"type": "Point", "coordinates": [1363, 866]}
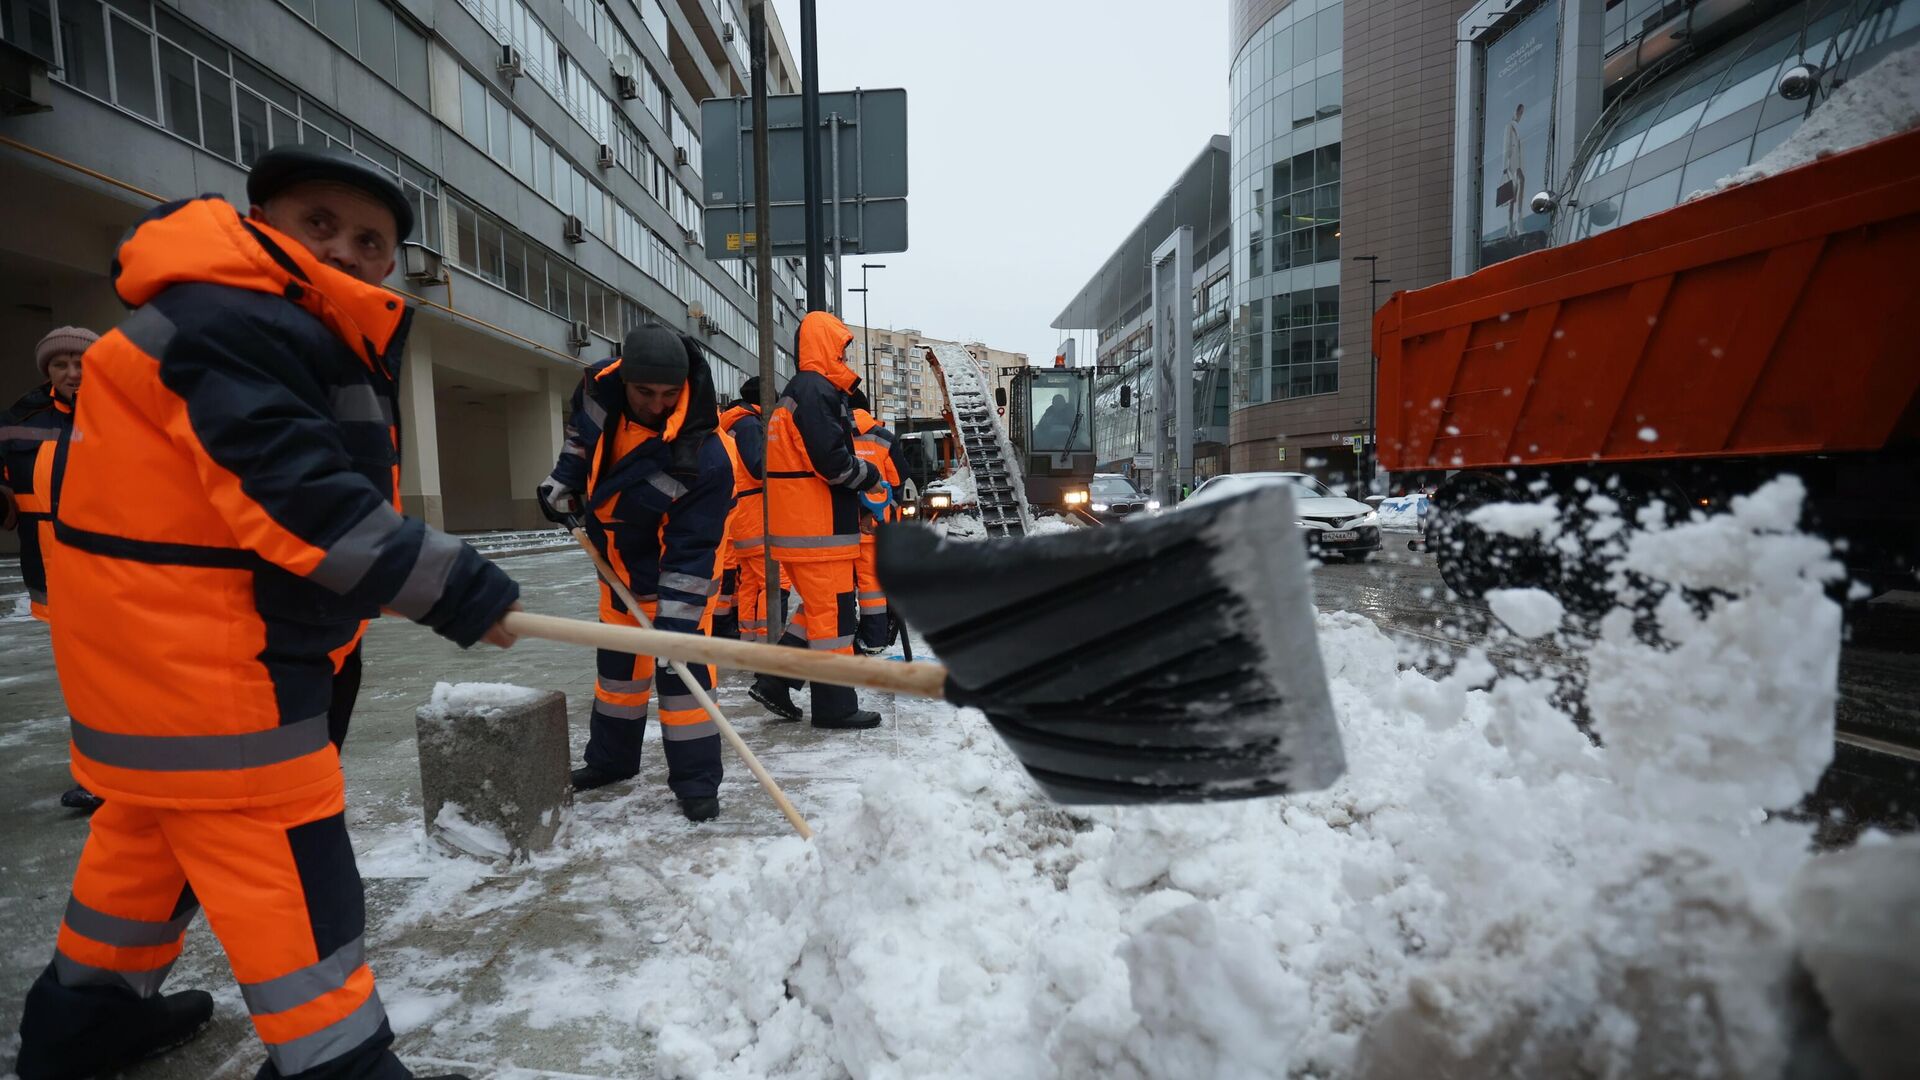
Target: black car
{"type": "Point", "coordinates": [1114, 498]}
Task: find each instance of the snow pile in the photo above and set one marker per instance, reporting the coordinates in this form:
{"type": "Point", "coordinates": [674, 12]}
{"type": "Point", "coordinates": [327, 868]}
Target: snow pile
{"type": "Point", "coordinates": [959, 486]}
{"type": "Point", "coordinates": [1049, 524]}
{"type": "Point", "coordinates": [480, 699]}
{"type": "Point", "coordinates": [1484, 894]}
{"type": "Point", "coordinates": [1882, 101]}
{"type": "Point", "coordinates": [1404, 512]}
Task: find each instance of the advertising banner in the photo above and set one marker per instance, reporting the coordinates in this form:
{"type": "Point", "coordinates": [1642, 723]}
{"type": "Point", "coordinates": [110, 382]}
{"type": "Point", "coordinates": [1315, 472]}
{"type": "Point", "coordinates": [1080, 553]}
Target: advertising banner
{"type": "Point", "coordinates": [1516, 116]}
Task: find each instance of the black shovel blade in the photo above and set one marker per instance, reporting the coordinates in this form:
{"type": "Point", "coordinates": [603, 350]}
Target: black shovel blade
{"type": "Point", "coordinates": [1171, 659]}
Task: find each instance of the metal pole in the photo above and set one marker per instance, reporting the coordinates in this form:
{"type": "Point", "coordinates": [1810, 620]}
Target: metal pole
{"type": "Point", "coordinates": [1368, 463]}
{"type": "Point", "coordinates": [839, 275]}
{"type": "Point", "coordinates": [866, 331]}
{"type": "Point", "coordinates": [763, 266]}
{"type": "Point", "coordinates": [810, 160]}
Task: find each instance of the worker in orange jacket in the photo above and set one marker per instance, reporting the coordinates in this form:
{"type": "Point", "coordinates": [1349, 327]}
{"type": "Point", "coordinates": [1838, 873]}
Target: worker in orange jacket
{"type": "Point", "coordinates": [814, 485]}
{"type": "Point", "coordinates": [226, 524]}
{"type": "Point", "coordinates": [746, 545]}
{"type": "Point", "coordinates": [30, 435]}
{"type": "Point", "coordinates": [877, 445]}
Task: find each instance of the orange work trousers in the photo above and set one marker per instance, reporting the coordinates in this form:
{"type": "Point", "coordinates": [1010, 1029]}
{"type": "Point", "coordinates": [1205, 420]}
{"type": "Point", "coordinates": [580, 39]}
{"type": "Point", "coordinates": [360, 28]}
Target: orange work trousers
{"type": "Point", "coordinates": [872, 599]}
{"type": "Point", "coordinates": [282, 894]}
{"type": "Point", "coordinates": [825, 623]}
{"type": "Point", "coordinates": [750, 594]}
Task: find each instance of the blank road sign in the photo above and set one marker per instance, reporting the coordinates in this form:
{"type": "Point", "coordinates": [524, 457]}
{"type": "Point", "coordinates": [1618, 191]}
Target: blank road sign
{"type": "Point", "coordinates": [872, 173]}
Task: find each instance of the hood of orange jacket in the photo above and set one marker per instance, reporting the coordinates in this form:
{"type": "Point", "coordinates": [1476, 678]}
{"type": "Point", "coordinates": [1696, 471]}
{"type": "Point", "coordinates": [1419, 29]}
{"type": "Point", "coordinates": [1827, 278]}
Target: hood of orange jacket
{"type": "Point", "coordinates": [206, 240]}
{"type": "Point", "coordinates": [820, 345]}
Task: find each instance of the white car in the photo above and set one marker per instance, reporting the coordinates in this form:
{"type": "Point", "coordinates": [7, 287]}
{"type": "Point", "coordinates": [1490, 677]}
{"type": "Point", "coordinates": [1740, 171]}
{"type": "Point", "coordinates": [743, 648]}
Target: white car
{"type": "Point", "coordinates": [1332, 524]}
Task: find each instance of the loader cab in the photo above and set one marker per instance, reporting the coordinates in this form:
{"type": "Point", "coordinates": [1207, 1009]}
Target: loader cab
{"type": "Point", "coordinates": [1050, 422]}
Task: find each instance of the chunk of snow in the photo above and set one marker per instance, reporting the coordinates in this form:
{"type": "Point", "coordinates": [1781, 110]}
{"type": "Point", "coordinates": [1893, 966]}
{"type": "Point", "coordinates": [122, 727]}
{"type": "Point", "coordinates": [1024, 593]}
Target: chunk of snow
{"type": "Point", "coordinates": [453, 827]}
{"type": "Point", "coordinates": [1877, 103]}
{"type": "Point", "coordinates": [1530, 613]}
{"type": "Point", "coordinates": [1858, 916]}
{"type": "Point", "coordinates": [1524, 521]}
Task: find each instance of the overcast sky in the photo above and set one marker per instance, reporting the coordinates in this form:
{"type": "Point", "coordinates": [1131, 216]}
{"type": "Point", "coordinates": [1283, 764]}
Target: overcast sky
{"type": "Point", "coordinates": [1039, 133]}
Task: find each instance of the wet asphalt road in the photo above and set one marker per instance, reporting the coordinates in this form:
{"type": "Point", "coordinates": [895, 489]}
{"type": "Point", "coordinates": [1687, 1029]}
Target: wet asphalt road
{"type": "Point", "coordinates": [1875, 778]}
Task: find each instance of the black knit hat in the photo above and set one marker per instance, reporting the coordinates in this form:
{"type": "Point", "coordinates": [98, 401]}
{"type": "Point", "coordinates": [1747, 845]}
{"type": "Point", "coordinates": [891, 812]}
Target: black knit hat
{"type": "Point", "coordinates": [653, 354]}
{"type": "Point", "coordinates": [750, 391]}
{"type": "Point", "coordinates": [284, 166]}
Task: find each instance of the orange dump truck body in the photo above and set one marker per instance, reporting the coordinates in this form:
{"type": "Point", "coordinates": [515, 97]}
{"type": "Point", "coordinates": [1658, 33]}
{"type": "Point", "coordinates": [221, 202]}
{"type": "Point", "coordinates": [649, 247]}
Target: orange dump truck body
{"type": "Point", "coordinates": [1781, 317]}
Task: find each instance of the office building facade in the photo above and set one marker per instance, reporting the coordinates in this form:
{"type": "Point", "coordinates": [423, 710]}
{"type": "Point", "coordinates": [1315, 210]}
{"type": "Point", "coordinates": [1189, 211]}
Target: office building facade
{"type": "Point", "coordinates": [1115, 303]}
{"type": "Point", "coordinates": [551, 148]}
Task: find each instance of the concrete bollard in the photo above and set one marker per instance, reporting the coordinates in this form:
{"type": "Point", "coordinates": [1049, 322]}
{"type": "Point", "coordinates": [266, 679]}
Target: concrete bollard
{"type": "Point", "coordinates": [493, 768]}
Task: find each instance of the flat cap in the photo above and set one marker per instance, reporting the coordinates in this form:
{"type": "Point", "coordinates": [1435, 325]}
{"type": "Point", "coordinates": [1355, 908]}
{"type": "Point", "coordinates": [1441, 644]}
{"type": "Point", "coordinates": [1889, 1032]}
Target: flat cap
{"type": "Point", "coordinates": [284, 166]}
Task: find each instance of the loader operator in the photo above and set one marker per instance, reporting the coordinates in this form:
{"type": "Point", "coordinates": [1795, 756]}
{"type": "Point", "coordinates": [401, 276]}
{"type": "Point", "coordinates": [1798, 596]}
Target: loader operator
{"type": "Point", "coordinates": [225, 525]}
{"type": "Point", "coordinates": [814, 480]}
{"type": "Point", "coordinates": [644, 448]}
{"type": "Point", "coordinates": [743, 424]}
{"type": "Point", "coordinates": [30, 434]}
{"type": "Point", "coordinates": [878, 446]}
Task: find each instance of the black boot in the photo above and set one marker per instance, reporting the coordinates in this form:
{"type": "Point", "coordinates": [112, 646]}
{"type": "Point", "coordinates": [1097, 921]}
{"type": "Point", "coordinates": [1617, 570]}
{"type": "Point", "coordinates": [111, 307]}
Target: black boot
{"type": "Point", "coordinates": [79, 798]}
{"type": "Point", "coordinates": [69, 1033]}
{"type": "Point", "coordinates": [587, 777]}
{"type": "Point", "coordinates": [857, 720]}
{"type": "Point", "coordinates": [701, 807]}
{"type": "Point", "coordinates": [776, 696]}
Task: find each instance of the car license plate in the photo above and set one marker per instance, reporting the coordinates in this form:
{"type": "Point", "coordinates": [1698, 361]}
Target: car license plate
{"type": "Point", "coordinates": [1331, 537]}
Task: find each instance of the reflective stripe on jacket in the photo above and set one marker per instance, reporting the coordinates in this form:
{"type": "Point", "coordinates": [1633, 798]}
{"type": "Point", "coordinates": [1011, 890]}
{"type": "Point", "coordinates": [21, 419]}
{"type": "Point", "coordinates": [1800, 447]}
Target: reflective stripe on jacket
{"type": "Point", "coordinates": [30, 433]}
{"type": "Point", "coordinates": [813, 475]}
{"type": "Point", "coordinates": [662, 496]}
{"type": "Point", "coordinates": [226, 517]}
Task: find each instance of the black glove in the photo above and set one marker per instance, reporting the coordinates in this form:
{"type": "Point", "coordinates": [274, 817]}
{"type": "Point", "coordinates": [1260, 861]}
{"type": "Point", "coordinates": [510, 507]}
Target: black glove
{"type": "Point", "coordinates": [559, 503]}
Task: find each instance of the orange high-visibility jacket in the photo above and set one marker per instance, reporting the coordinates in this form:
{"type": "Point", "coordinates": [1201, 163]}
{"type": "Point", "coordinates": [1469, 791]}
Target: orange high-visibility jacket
{"type": "Point", "coordinates": [877, 445]}
{"type": "Point", "coordinates": [742, 425]}
{"type": "Point", "coordinates": [813, 475]}
{"type": "Point", "coordinates": [227, 519]}
{"type": "Point", "coordinates": [30, 432]}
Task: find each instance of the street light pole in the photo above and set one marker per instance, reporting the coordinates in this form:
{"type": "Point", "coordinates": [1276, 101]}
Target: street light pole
{"type": "Point", "coordinates": [1374, 281]}
{"type": "Point", "coordinates": [866, 330]}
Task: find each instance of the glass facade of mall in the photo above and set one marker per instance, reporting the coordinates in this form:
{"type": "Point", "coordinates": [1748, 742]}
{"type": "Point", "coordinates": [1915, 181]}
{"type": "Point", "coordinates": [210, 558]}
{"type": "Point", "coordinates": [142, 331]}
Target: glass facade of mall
{"type": "Point", "coordinates": [1286, 129]}
{"type": "Point", "coordinates": [1666, 138]}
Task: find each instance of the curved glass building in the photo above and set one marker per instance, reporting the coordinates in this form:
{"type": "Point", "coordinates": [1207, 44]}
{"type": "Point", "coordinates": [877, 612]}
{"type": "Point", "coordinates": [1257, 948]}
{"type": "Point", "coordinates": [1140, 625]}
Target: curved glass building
{"type": "Point", "coordinates": [1286, 95]}
{"type": "Point", "coordinates": [1669, 133]}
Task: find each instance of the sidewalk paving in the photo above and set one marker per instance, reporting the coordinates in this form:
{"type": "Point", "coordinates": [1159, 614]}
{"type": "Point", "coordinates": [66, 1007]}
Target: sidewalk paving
{"type": "Point", "coordinates": [501, 972]}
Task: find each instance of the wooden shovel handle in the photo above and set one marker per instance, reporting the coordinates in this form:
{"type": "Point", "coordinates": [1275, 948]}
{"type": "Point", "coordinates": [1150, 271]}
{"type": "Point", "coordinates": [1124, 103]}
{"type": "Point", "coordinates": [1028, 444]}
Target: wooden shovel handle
{"type": "Point", "coordinates": [920, 680]}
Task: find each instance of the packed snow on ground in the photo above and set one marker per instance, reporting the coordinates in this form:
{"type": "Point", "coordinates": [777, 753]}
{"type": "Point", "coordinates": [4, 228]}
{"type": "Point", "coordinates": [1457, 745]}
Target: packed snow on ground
{"type": "Point", "coordinates": [1485, 893]}
{"type": "Point", "coordinates": [1877, 103]}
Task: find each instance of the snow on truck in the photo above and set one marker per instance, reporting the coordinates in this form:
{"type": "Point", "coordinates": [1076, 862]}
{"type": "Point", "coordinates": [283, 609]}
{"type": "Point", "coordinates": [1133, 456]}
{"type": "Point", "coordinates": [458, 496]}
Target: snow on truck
{"type": "Point", "coordinates": [1676, 361]}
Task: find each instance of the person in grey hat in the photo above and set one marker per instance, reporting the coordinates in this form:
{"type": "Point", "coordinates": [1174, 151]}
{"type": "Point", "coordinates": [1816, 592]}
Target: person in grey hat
{"type": "Point", "coordinates": [30, 434]}
{"type": "Point", "coordinates": [646, 472]}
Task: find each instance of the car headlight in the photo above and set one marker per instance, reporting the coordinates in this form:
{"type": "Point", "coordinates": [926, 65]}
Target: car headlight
{"type": "Point", "coordinates": [1371, 518]}
{"type": "Point", "coordinates": [1100, 508]}
{"type": "Point", "coordinates": [1304, 525]}
{"type": "Point", "coordinates": [1153, 504]}
{"type": "Point", "coordinates": [909, 511]}
{"type": "Point", "coordinates": [939, 502]}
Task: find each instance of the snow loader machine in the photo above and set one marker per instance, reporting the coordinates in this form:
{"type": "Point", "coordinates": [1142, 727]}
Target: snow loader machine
{"type": "Point", "coordinates": [1672, 364]}
{"type": "Point", "coordinates": [1028, 445]}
